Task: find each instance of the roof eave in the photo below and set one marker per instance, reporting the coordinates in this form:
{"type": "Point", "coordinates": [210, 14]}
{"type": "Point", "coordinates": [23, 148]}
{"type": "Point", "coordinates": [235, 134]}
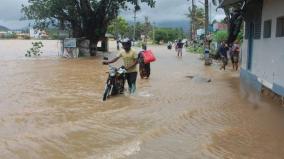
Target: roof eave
{"type": "Point", "coordinates": [226, 3]}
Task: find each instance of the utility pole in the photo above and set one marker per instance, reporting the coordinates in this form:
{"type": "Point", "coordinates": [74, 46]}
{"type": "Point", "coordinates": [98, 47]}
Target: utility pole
{"type": "Point", "coordinates": [210, 13]}
{"type": "Point", "coordinates": [193, 22]}
{"type": "Point", "coordinates": [116, 28]}
{"type": "Point", "coordinates": [206, 4]}
{"type": "Point", "coordinates": [190, 23]}
{"type": "Point", "coordinates": [153, 32]}
{"type": "Point", "coordinates": [134, 31]}
{"type": "Point", "coordinates": [147, 26]}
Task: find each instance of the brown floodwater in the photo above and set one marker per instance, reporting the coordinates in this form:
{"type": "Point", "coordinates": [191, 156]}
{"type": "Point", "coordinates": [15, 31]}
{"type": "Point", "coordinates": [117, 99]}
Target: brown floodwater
{"type": "Point", "coordinates": [51, 108]}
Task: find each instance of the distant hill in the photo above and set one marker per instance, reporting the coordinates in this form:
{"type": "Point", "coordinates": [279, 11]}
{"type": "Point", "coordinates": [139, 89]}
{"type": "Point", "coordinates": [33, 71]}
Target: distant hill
{"type": "Point", "coordinates": [2, 28]}
{"type": "Point", "coordinates": [184, 24]}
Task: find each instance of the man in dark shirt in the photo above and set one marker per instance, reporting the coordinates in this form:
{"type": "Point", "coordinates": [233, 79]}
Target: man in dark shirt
{"type": "Point", "coordinates": [223, 53]}
{"type": "Point", "coordinates": [179, 48]}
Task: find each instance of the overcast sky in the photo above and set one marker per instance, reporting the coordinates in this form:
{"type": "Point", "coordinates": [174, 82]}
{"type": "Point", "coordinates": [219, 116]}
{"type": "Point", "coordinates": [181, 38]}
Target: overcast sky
{"type": "Point", "coordinates": [165, 10]}
{"type": "Point", "coordinates": [170, 10]}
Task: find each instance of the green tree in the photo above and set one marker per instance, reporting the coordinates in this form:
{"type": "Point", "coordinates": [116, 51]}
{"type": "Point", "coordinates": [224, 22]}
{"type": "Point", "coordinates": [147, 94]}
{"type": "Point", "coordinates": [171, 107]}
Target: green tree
{"type": "Point", "coordinates": [86, 18]}
{"type": "Point", "coordinates": [139, 30]}
{"type": "Point", "coordinates": [168, 34]}
{"type": "Point", "coordinates": [118, 27]}
{"type": "Point", "coordinates": [220, 36]}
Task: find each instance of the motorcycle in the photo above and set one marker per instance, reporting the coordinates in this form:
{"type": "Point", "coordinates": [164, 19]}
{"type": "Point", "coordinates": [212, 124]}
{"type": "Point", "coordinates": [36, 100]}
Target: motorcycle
{"type": "Point", "coordinates": [169, 47]}
{"type": "Point", "coordinates": [115, 82]}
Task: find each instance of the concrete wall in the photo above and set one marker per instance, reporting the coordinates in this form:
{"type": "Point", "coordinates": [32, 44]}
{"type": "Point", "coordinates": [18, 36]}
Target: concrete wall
{"type": "Point", "coordinates": [268, 53]}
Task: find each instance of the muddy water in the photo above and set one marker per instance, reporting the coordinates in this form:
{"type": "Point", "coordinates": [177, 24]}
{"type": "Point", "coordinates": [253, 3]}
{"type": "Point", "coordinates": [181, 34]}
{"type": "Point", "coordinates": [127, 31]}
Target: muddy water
{"type": "Point", "coordinates": [51, 108]}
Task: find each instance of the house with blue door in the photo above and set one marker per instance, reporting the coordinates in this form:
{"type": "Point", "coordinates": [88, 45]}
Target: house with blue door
{"type": "Point", "coordinates": [263, 46]}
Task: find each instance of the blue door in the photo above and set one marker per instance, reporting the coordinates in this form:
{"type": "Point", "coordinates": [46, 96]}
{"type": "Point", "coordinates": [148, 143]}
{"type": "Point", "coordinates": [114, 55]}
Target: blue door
{"type": "Point", "coordinates": [250, 46]}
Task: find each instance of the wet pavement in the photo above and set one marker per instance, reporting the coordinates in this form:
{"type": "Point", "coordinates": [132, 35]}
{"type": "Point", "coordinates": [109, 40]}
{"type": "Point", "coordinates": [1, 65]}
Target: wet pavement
{"type": "Point", "coordinates": [51, 108]}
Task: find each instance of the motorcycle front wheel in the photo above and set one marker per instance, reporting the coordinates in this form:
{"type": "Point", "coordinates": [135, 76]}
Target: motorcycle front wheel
{"type": "Point", "coordinates": [106, 93]}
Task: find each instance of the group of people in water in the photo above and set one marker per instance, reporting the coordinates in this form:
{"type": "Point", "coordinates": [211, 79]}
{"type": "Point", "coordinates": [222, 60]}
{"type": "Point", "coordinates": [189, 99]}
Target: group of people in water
{"type": "Point", "coordinates": [227, 52]}
{"type": "Point", "coordinates": [131, 59]}
{"type": "Point", "coordinates": [178, 45]}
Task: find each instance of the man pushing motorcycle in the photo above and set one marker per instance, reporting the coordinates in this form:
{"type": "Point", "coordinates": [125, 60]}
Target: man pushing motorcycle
{"type": "Point", "coordinates": [130, 60]}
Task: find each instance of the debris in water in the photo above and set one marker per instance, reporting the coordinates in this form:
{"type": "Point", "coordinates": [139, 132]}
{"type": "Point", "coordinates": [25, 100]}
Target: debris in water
{"type": "Point", "coordinates": [199, 79]}
{"type": "Point", "coordinates": [191, 77]}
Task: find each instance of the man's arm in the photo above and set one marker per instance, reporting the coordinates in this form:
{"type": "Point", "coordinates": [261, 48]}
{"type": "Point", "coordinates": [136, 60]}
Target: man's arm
{"type": "Point", "coordinates": [132, 65]}
{"type": "Point", "coordinates": [111, 61]}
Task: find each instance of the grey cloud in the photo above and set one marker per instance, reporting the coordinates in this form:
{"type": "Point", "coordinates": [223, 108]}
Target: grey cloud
{"type": "Point", "coordinates": [169, 10]}
{"type": "Point", "coordinates": [165, 10]}
{"type": "Point", "coordinates": [11, 9]}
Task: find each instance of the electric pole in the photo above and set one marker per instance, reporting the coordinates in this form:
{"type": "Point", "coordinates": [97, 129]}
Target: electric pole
{"type": "Point", "coordinates": [153, 32]}
{"type": "Point", "coordinates": [193, 22]}
{"type": "Point", "coordinates": [134, 30]}
{"type": "Point", "coordinates": [206, 4]}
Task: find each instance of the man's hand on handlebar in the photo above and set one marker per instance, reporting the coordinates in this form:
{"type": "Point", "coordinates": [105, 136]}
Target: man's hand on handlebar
{"type": "Point", "coordinates": [105, 62]}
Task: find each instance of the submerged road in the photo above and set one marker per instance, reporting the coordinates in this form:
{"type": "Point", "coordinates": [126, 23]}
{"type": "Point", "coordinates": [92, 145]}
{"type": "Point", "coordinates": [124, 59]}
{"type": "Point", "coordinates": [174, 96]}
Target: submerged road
{"type": "Point", "coordinates": [52, 109]}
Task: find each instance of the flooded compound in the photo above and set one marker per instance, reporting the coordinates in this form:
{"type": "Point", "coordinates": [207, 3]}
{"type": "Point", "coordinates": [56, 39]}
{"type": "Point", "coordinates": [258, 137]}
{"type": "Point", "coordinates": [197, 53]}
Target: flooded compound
{"type": "Point", "coordinates": [51, 108]}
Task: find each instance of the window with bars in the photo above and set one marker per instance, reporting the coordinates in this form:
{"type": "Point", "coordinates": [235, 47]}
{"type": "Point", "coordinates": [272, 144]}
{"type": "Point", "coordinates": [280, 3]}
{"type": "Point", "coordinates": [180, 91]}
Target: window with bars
{"type": "Point", "coordinates": [253, 15]}
{"type": "Point", "coordinates": [267, 29]}
{"type": "Point", "coordinates": [280, 27]}
{"type": "Point", "coordinates": [257, 29]}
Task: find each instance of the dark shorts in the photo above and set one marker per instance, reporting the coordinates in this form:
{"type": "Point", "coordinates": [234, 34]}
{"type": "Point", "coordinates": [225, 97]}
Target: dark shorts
{"type": "Point", "coordinates": [235, 59]}
{"type": "Point", "coordinates": [144, 69]}
{"type": "Point", "coordinates": [225, 61]}
{"type": "Point", "coordinates": [131, 78]}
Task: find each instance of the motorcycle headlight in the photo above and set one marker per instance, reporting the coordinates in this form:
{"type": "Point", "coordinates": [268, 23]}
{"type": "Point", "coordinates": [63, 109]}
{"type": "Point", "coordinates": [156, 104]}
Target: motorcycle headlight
{"type": "Point", "coordinates": [121, 71]}
{"type": "Point", "coordinates": [112, 72]}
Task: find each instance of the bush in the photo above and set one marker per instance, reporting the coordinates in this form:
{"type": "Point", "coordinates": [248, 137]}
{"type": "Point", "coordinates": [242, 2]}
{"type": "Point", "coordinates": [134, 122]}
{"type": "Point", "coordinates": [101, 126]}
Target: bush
{"type": "Point", "coordinates": [196, 49]}
{"type": "Point", "coordinates": [35, 50]}
{"type": "Point", "coordinates": [220, 36]}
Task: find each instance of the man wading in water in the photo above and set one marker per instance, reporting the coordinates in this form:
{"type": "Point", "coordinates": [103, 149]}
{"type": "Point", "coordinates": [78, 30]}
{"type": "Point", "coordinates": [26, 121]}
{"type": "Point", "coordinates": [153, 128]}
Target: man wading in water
{"type": "Point", "coordinates": [179, 47]}
{"type": "Point", "coordinates": [129, 57]}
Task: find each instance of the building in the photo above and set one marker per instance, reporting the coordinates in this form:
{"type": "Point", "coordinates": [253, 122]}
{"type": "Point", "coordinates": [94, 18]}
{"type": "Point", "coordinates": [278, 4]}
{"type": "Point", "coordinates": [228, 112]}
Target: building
{"type": "Point", "coordinates": [3, 34]}
{"type": "Point", "coordinates": [38, 34]}
{"type": "Point", "coordinates": [217, 26]}
{"type": "Point", "coordinates": [263, 46]}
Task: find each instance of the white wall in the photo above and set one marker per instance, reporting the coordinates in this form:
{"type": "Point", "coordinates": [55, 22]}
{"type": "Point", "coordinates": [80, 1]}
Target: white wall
{"type": "Point", "coordinates": [268, 53]}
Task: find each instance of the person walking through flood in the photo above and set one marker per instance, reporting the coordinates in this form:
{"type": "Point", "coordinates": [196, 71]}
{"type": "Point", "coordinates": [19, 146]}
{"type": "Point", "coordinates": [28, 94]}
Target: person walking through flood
{"type": "Point", "coordinates": [179, 47]}
{"type": "Point", "coordinates": [144, 68]}
{"type": "Point", "coordinates": [222, 51]}
{"type": "Point", "coordinates": [130, 60]}
{"type": "Point", "coordinates": [235, 53]}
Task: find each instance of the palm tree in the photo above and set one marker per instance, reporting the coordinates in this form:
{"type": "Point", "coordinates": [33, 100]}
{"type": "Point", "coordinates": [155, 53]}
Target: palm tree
{"type": "Point", "coordinates": [206, 6]}
{"type": "Point", "coordinates": [197, 16]}
{"type": "Point", "coordinates": [191, 15]}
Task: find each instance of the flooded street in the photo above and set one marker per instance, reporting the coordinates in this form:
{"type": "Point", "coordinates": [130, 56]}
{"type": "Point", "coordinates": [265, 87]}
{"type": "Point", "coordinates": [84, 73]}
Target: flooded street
{"type": "Point", "coordinates": [51, 108]}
